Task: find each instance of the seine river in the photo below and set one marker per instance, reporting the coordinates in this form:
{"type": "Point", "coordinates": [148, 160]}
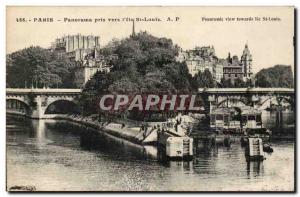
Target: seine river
{"type": "Point", "coordinates": [57, 155]}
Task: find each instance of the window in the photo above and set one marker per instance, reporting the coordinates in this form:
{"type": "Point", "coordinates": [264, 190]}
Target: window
{"type": "Point", "coordinates": [244, 120]}
{"type": "Point", "coordinates": [219, 117]}
{"type": "Point", "coordinates": [258, 118]}
{"type": "Point", "coordinates": [226, 118]}
{"type": "Point", "coordinates": [213, 118]}
{"type": "Point", "coordinates": [251, 117]}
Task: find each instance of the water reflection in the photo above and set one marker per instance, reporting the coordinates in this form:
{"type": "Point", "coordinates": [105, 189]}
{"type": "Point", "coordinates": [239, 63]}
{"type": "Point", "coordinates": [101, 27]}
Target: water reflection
{"type": "Point", "coordinates": [95, 141]}
{"type": "Point", "coordinates": [39, 127]}
{"type": "Point", "coordinates": [183, 166]}
{"type": "Point", "coordinates": [281, 123]}
{"type": "Point", "coordinates": [56, 155]}
{"type": "Point", "coordinates": [254, 169]}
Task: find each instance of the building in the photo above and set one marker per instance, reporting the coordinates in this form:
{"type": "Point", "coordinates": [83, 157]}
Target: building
{"type": "Point", "coordinates": [71, 43]}
{"type": "Point", "coordinates": [246, 60]}
{"type": "Point", "coordinates": [233, 68]}
{"type": "Point", "coordinates": [85, 52]}
{"type": "Point", "coordinates": [201, 59]}
{"type": "Point", "coordinates": [86, 68]}
{"type": "Point", "coordinates": [219, 72]}
{"type": "Point", "coordinates": [197, 64]}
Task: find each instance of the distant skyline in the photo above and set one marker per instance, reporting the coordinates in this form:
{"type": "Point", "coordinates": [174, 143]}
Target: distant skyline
{"type": "Point", "coordinates": [270, 43]}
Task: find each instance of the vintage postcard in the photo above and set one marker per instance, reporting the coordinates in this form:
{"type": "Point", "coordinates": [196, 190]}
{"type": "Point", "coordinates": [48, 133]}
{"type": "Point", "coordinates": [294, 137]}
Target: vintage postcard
{"type": "Point", "coordinates": [150, 99]}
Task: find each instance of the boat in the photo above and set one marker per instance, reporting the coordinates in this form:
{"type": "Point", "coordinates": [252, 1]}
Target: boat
{"type": "Point", "coordinates": [226, 121]}
{"type": "Point", "coordinates": [254, 149]}
{"type": "Point", "coordinates": [179, 148]}
{"type": "Point", "coordinates": [245, 121]}
{"type": "Point", "coordinates": [262, 133]}
{"type": "Point", "coordinates": [175, 145]}
{"type": "Point", "coordinates": [252, 121]}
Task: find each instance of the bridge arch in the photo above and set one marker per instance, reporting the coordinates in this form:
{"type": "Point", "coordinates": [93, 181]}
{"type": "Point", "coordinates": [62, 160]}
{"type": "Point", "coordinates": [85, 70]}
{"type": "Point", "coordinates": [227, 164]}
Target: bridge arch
{"type": "Point", "coordinates": [15, 104]}
{"type": "Point", "coordinates": [232, 102]}
{"type": "Point", "coordinates": [265, 104]}
{"type": "Point", "coordinates": [62, 106]}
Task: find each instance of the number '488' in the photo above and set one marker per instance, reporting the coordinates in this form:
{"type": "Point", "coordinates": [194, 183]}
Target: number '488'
{"type": "Point", "coordinates": [20, 19]}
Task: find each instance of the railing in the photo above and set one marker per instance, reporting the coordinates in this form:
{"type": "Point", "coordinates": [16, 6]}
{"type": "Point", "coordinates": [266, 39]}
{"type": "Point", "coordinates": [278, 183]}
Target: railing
{"type": "Point", "coordinates": [42, 90]}
{"type": "Point", "coordinates": [246, 90]}
{"type": "Point", "coordinates": [200, 90]}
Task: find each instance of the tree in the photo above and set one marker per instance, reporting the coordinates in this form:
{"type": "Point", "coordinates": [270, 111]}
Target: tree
{"type": "Point", "coordinates": [249, 83]}
{"type": "Point", "coordinates": [205, 79]}
{"type": "Point", "coordinates": [225, 83]}
{"type": "Point", "coordinates": [35, 66]}
{"type": "Point", "coordinates": [277, 76]}
{"type": "Point", "coordinates": [239, 83]}
{"type": "Point", "coordinates": [262, 81]}
{"type": "Point", "coordinates": [144, 65]}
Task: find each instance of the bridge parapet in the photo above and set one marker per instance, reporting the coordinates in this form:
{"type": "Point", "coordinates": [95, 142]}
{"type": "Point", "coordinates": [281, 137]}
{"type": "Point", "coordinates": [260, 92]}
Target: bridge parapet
{"type": "Point", "coordinates": [38, 100]}
{"type": "Point", "coordinates": [43, 97]}
{"type": "Point", "coordinates": [247, 90]}
{"type": "Point", "coordinates": [42, 91]}
{"type": "Point", "coordinates": [255, 97]}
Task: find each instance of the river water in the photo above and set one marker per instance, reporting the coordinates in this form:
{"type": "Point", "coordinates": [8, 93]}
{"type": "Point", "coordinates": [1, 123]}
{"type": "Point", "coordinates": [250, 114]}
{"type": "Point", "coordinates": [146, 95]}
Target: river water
{"type": "Point", "coordinates": [60, 156]}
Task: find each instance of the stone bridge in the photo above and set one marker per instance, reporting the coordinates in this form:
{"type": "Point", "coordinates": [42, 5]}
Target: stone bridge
{"type": "Point", "coordinates": [260, 98]}
{"type": "Point", "coordinates": [35, 102]}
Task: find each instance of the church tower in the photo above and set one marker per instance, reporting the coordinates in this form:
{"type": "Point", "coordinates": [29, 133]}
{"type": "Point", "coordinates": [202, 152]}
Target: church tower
{"type": "Point", "coordinates": [246, 60]}
{"type": "Point", "coordinates": [133, 29]}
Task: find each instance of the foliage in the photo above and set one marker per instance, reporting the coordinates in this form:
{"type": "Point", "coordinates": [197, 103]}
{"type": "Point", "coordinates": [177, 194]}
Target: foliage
{"type": "Point", "coordinates": [225, 83]}
{"type": "Point", "coordinates": [205, 79]}
{"type": "Point", "coordinates": [277, 76]}
{"type": "Point", "coordinates": [38, 67]}
{"type": "Point", "coordinates": [144, 65]}
{"type": "Point", "coordinates": [237, 83]}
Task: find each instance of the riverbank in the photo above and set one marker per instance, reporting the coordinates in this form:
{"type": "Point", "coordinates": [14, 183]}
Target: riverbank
{"type": "Point", "coordinates": [122, 128]}
{"type": "Point", "coordinates": [127, 132]}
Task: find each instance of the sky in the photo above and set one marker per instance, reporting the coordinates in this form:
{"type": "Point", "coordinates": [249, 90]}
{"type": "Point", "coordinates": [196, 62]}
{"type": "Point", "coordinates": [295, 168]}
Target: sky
{"type": "Point", "coordinates": [269, 41]}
